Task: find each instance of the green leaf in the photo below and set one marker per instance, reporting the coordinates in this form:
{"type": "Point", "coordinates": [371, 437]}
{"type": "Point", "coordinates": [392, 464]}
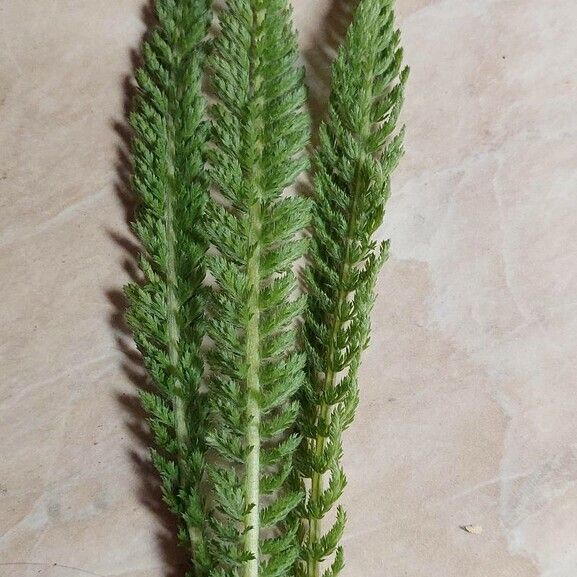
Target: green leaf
{"type": "Point", "coordinates": [166, 310]}
{"type": "Point", "coordinates": [259, 133]}
{"type": "Point", "coordinates": [359, 148]}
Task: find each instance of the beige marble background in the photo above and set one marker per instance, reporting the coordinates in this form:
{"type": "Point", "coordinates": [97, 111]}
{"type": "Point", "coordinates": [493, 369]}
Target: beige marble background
{"type": "Point", "coordinates": [469, 407]}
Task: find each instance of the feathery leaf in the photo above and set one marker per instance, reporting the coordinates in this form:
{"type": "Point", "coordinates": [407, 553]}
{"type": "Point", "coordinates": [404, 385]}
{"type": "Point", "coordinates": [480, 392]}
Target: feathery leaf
{"type": "Point", "coordinates": [166, 311]}
{"type": "Point", "coordinates": [357, 153]}
{"type": "Point", "coordinates": [259, 135]}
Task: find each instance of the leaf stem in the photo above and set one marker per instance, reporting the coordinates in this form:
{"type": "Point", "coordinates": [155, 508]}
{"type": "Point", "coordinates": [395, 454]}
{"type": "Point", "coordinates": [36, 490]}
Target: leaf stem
{"type": "Point", "coordinates": [252, 469]}
{"type": "Point", "coordinates": [253, 440]}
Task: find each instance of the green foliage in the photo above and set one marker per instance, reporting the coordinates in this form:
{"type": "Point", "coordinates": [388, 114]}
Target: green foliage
{"type": "Point", "coordinates": [167, 309]}
{"type": "Point", "coordinates": [249, 451]}
{"type": "Point", "coordinates": [259, 136]}
{"type": "Point", "coordinates": [357, 153]}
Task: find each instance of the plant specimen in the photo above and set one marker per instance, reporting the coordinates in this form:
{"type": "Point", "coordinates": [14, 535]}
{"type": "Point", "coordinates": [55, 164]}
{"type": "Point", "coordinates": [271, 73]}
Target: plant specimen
{"type": "Point", "coordinates": [249, 409]}
{"type": "Point", "coordinates": [167, 309]}
{"type": "Point", "coordinates": [260, 132]}
{"type": "Point", "coordinates": [357, 153]}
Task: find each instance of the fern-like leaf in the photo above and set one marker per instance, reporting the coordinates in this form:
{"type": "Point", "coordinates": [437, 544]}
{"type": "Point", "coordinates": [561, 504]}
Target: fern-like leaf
{"type": "Point", "coordinates": [166, 311]}
{"type": "Point", "coordinates": [358, 151]}
{"type": "Point", "coordinates": [259, 135]}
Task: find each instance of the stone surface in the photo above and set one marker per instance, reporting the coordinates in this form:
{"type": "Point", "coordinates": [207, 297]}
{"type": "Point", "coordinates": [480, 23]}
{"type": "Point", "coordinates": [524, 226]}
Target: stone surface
{"type": "Point", "coordinates": [468, 412]}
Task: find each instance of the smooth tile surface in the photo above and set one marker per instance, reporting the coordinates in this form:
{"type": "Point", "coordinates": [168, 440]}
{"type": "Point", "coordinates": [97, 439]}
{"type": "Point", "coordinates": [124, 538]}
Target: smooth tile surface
{"type": "Point", "coordinates": [468, 412]}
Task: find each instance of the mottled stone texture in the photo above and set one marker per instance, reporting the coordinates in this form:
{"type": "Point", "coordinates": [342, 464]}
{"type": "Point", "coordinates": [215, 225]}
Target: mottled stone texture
{"type": "Point", "coordinates": [469, 400]}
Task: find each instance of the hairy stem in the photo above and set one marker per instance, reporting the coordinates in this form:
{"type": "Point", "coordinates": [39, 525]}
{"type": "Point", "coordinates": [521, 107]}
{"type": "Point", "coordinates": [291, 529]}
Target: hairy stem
{"type": "Point", "coordinates": [252, 471]}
